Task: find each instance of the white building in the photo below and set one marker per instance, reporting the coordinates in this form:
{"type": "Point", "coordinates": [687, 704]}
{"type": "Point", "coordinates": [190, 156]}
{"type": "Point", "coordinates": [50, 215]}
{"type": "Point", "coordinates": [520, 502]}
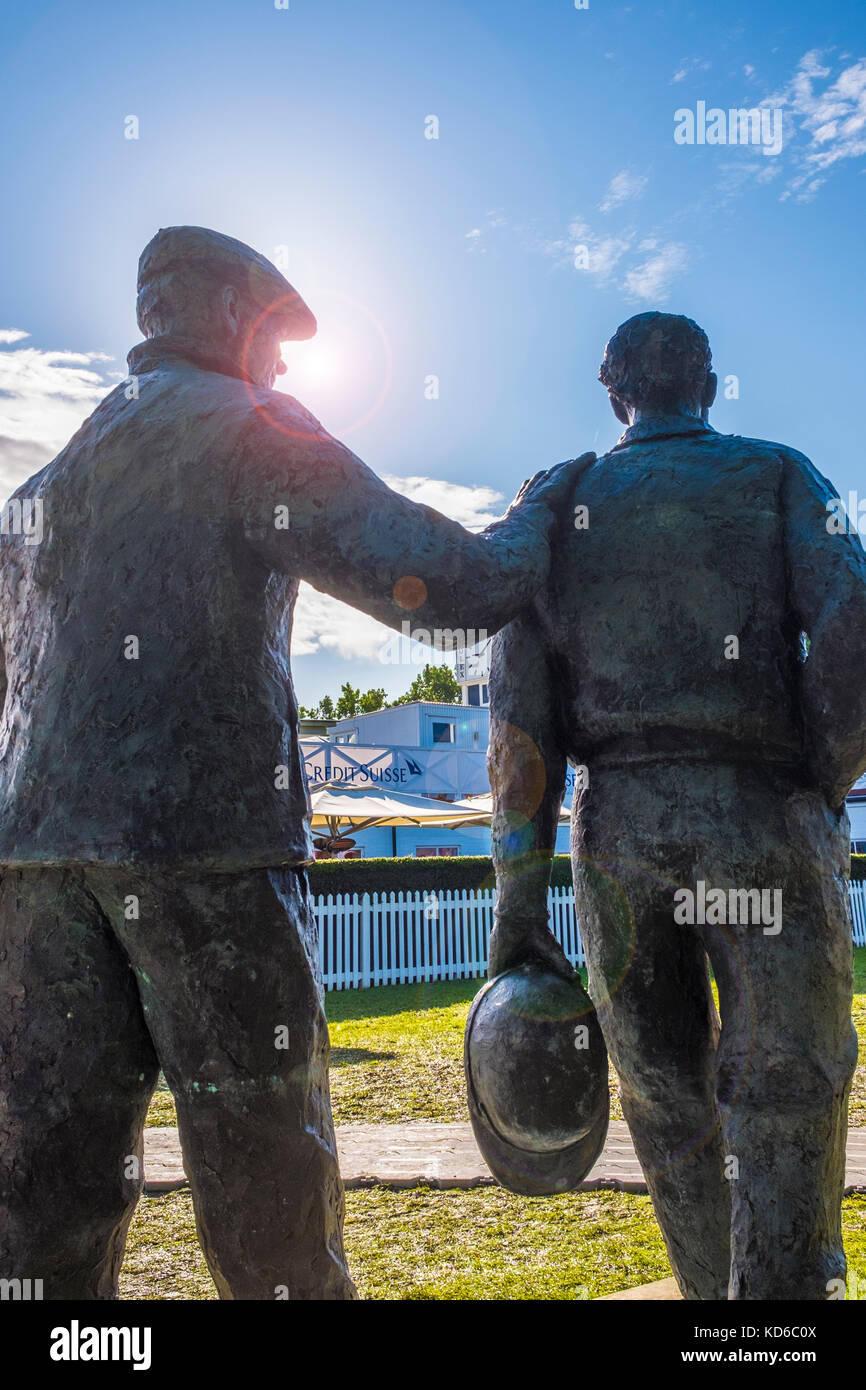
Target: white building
{"type": "Point", "coordinates": [856, 805]}
{"type": "Point", "coordinates": [473, 673]}
{"type": "Point", "coordinates": [428, 749]}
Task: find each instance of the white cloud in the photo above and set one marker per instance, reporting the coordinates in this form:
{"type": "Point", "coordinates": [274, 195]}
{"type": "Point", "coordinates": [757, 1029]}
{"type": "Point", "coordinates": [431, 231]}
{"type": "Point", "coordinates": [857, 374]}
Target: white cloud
{"type": "Point", "coordinates": [603, 252]}
{"type": "Point", "coordinates": [477, 238]}
{"type": "Point", "coordinates": [323, 623]}
{"type": "Point", "coordinates": [473, 507]}
{"type": "Point", "coordinates": [830, 119]}
{"type": "Point", "coordinates": [651, 280]}
{"type": "Point", "coordinates": [823, 106]}
{"type": "Point", "coordinates": [44, 397]}
{"type": "Point", "coordinates": [621, 260]}
{"type": "Point", "coordinates": [688, 66]}
{"type": "Point", "coordinates": [622, 187]}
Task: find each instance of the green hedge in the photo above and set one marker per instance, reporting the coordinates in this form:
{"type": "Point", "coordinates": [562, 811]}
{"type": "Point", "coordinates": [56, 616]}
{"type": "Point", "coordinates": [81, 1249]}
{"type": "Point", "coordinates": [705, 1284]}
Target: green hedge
{"type": "Point", "coordinates": [445, 872]}
{"type": "Point", "coordinates": [411, 875]}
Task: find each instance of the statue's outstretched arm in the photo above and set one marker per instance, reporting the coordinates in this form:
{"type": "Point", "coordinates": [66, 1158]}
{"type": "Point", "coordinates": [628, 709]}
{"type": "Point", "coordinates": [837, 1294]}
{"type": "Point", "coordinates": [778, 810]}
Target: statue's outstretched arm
{"type": "Point", "coordinates": [350, 535]}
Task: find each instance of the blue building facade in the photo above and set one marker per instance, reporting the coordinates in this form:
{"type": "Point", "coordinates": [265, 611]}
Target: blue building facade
{"type": "Point", "coordinates": [426, 749]}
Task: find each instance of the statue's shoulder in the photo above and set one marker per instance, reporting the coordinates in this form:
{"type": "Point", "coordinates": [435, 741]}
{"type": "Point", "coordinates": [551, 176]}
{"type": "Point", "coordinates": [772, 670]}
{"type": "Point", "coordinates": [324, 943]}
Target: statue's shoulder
{"type": "Point", "coordinates": [792, 461]}
{"type": "Point", "coordinates": [769, 447]}
{"type": "Point", "coordinates": [284, 412]}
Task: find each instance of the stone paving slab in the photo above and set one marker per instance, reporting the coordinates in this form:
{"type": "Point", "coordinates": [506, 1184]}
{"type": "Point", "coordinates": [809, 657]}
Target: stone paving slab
{"type": "Point", "coordinates": [422, 1153]}
{"type": "Point", "coordinates": [659, 1291]}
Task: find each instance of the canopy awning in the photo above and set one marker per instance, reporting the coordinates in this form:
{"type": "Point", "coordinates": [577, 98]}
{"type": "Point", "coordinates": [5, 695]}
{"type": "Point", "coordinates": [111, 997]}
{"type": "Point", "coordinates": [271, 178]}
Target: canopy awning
{"type": "Point", "coordinates": [484, 802]}
{"type": "Point", "coordinates": [336, 808]}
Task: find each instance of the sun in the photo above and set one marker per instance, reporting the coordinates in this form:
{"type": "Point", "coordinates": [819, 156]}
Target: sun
{"type": "Point", "coordinates": [343, 374]}
{"type": "Point", "coordinates": [310, 364]}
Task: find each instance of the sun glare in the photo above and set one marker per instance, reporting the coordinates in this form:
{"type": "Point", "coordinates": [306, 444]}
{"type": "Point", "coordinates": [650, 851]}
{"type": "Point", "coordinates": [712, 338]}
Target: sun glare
{"type": "Point", "coordinates": [343, 374]}
{"type": "Point", "coordinates": [311, 364]}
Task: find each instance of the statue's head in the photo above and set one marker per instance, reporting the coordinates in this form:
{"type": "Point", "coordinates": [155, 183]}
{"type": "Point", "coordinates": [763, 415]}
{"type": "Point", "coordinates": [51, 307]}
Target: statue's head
{"type": "Point", "coordinates": [658, 364]}
{"type": "Point", "coordinates": [198, 284]}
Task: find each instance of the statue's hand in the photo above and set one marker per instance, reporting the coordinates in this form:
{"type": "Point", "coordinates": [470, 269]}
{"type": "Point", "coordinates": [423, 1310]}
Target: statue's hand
{"type": "Point", "coordinates": [518, 943]}
{"type": "Point", "coordinates": [552, 486]}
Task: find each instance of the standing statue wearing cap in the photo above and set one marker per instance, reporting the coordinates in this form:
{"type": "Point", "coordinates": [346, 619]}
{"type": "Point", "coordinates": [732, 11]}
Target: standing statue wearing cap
{"type": "Point", "coordinates": [153, 903]}
{"type": "Point", "coordinates": [699, 651]}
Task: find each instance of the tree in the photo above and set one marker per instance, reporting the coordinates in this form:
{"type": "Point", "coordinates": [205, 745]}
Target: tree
{"type": "Point", "coordinates": [436, 683]}
{"type": "Point", "coordinates": [323, 710]}
{"type": "Point", "coordinates": [372, 700]}
{"type": "Point", "coordinates": [348, 703]}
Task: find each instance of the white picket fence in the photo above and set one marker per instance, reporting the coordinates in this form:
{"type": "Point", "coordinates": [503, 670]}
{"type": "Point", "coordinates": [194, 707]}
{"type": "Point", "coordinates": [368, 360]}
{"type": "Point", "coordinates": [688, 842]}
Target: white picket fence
{"type": "Point", "coordinates": [398, 938]}
{"type": "Point", "coordinates": [857, 897]}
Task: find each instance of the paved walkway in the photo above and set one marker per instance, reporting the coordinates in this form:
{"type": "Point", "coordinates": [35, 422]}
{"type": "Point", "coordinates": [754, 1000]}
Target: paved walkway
{"type": "Point", "coordinates": [421, 1154]}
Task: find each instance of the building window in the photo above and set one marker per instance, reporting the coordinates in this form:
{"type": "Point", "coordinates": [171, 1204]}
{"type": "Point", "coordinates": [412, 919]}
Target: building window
{"type": "Point", "coordinates": [474, 693]}
{"type": "Point", "coordinates": [350, 737]}
{"type": "Point", "coordinates": [485, 695]}
{"type": "Point", "coordinates": [858, 846]}
{"type": "Point", "coordinates": [434, 851]}
{"type": "Point", "coordinates": [443, 731]}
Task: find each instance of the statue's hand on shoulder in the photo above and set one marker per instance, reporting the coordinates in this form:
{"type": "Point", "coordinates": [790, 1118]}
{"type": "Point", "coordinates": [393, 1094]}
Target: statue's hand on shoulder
{"type": "Point", "coordinates": [514, 943]}
{"type": "Point", "coordinates": [552, 486]}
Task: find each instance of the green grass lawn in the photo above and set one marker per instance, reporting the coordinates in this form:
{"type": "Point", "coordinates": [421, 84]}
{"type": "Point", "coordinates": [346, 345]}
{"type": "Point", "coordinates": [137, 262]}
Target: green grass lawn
{"type": "Point", "coordinates": [425, 1244]}
{"type": "Point", "coordinates": [397, 1054]}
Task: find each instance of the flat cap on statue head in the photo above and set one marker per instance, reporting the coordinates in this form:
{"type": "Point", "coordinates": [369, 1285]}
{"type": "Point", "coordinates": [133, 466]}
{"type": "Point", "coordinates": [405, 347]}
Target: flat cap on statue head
{"type": "Point", "coordinates": [658, 363]}
{"type": "Point", "coordinates": [179, 264]}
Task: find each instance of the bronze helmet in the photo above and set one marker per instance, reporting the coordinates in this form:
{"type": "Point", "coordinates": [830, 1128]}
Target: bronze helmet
{"type": "Point", "coordinates": [536, 1080]}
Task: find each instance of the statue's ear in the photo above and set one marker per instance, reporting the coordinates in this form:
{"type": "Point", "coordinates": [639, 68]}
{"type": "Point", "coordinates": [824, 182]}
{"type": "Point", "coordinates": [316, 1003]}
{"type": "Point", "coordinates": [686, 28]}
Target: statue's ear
{"type": "Point", "coordinates": [619, 409]}
{"type": "Point", "coordinates": [709, 393]}
{"type": "Point", "coordinates": [232, 309]}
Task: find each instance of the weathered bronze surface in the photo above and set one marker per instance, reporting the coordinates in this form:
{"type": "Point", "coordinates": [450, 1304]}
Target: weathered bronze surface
{"type": "Point", "coordinates": [153, 904]}
{"type": "Point", "coordinates": [698, 651]}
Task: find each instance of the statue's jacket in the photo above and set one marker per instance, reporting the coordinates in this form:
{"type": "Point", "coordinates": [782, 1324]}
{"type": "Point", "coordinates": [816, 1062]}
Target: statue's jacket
{"type": "Point", "coordinates": [706, 603]}
{"type": "Point", "coordinates": [148, 715]}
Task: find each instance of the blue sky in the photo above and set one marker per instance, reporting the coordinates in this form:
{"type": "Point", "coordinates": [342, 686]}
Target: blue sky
{"type": "Point", "coordinates": [304, 129]}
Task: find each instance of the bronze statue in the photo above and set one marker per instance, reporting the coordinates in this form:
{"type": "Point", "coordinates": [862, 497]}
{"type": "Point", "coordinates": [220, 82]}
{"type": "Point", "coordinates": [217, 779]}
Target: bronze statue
{"type": "Point", "coordinates": [698, 649]}
{"type": "Point", "coordinates": [154, 907]}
